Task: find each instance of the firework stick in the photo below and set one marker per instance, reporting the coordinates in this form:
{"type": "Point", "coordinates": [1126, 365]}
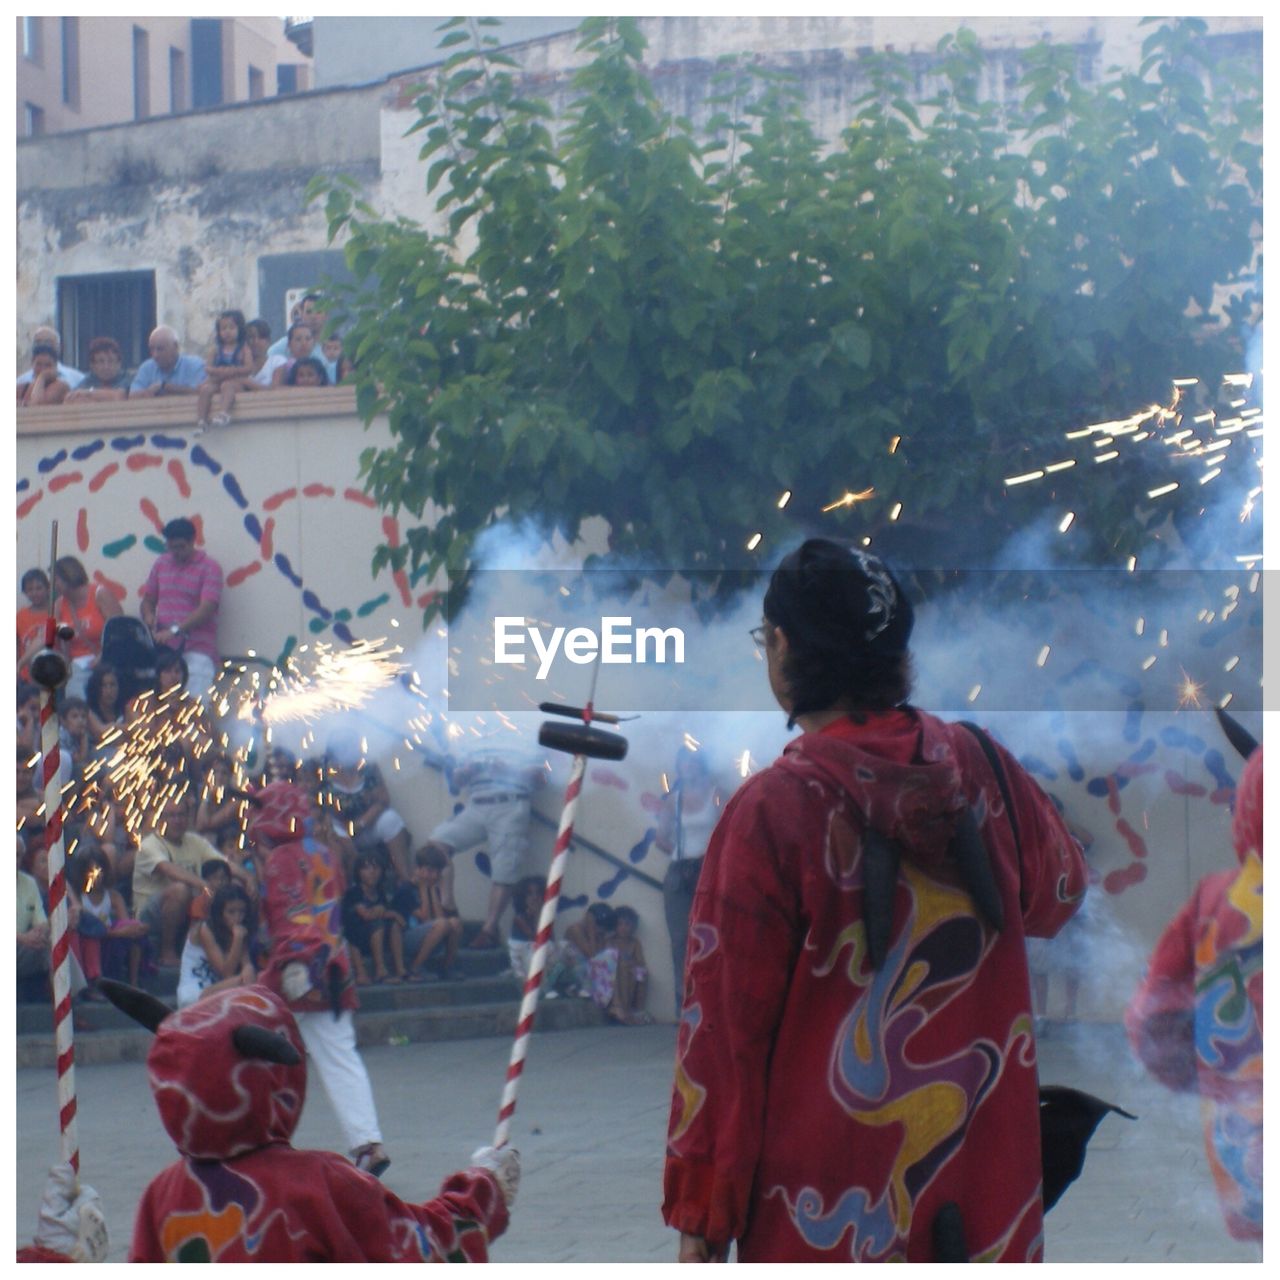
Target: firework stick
{"type": "Point", "coordinates": [542, 946]}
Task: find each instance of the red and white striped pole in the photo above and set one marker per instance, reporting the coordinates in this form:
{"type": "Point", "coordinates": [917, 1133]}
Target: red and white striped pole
{"type": "Point", "coordinates": [542, 946]}
{"type": "Point", "coordinates": [49, 669]}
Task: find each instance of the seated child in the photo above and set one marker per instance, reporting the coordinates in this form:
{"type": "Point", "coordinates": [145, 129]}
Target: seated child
{"type": "Point", "coordinates": [220, 812]}
{"type": "Point", "coordinates": [106, 938]}
{"type": "Point", "coordinates": [632, 978]}
{"type": "Point", "coordinates": [73, 731]}
{"type": "Point", "coordinates": [426, 904]}
{"type": "Point", "coordinates": [371, 924]}
{"type": "Point", "coordinates": [587, 953]}
{"type": "Point", "coordinates": [216, 954]}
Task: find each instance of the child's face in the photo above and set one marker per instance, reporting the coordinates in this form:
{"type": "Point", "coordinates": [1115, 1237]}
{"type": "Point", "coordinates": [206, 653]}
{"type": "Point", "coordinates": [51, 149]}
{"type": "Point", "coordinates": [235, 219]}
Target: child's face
{"type": "Point", "coordinates": [532, 901]}
{"type": "Point", "coordinates": [227, 331]}
{"type": "Point", "coordinates": [168, 678]}
{"type": "Point", "coordinates": [302, 343]}
{"type": "Point", "coordinates": [258, 342]}
{"type": "Point", "coordinates": [76, 719]}
{"type": "Point", "coordinates": [624, 928]}
{"type": "Point", "coordinates": [110, 687]}
{"type": "Point", "coordinates": [37, 593]}
{"type": "Point", "coordinates": [233, 912]}
{"type": "Point", "coordinates": [332, 348]}
{"type": "Point", "coordinates": [308, 376]}
{"type": "Point", "coordinates": [369, 875]}
{"type": "Point", "coordinates": [429, 876]}
{"type": "Point", "coordinates": [218, 879]}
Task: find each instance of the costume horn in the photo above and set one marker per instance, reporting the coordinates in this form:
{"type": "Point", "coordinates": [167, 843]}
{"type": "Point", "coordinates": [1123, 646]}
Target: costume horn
{"type": "Point", "coordinates": [140, 1005]}
{"type": "Point", "coordinates": [270, 1046]}
{"type": "Point", "coordinates": [1239, 737]}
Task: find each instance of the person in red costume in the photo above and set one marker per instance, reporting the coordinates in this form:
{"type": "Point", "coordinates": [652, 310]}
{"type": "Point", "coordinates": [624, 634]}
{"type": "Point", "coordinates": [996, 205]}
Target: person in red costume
{"type": "Point", "coordinates": [856, 1064]}
{"type": "Point", "coordinates": [229, 1079]}
{"type": "Point", "coordinates": [309, 965]}
{"type": "Point", "coordinates": [1196, 1020]}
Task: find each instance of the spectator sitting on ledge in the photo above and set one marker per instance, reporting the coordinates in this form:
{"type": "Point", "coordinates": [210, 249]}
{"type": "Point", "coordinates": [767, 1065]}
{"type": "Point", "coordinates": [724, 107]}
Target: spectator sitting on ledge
{"type": "Point", "coordinates": [45, 386]}
{"type": "Point", "coordinates": [107, 378]}
{"type": "Point", "coordinates": [168, 372]}
{"type": "Point", "coordinates": [301, 344]}
{"type": "Point", "coordinates": [47, 336]}
{"type": "Point", "coordinates": [307, 373]}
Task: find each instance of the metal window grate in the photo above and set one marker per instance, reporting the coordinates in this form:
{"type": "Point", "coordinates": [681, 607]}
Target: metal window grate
{"type": "Point", "coordinates": [119, 305]}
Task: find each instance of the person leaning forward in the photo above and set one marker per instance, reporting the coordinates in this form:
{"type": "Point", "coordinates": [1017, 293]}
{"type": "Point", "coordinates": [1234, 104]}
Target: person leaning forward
{"type": "Point", "coordinates": [856, 1056]}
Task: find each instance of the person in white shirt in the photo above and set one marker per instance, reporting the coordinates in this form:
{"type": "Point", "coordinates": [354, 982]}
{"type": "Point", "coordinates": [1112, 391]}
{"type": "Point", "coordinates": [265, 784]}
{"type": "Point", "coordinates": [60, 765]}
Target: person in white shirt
{"type": "Point", "coordinates": [47, 336]}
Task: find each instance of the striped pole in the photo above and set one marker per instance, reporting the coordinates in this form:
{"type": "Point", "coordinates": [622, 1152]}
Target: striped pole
{"type": "Point", "coordinates": [58, 935]}
{"type": "Point", "coordinates": [542, 946]}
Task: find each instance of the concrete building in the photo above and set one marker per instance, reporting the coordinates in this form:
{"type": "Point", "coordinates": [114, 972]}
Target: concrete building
{"type": "Point", "coordinates": [79, 73]}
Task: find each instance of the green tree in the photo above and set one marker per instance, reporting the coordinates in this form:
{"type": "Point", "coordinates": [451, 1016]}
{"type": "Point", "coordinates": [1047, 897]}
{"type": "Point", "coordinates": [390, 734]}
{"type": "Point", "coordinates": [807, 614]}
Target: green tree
{"type": "Point", "coordinates": [630, 321]}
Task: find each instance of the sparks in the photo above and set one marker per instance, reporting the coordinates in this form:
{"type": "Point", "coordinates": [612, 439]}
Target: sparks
{"type": "Point", "coordinates": [754, 541]}
{"type": "Point", "coordinates": [1160, 492]}
{"type": "Point", "coordinates": [786, 497]}
{"type": "Point", "coordinates": [849, 499]}
{"type": "Point", "coordinates": [339, 680]}
{"type": "Point", "coordinates": [1065, 523]}
{"type": "Point", "coordinates": [1030, 475]}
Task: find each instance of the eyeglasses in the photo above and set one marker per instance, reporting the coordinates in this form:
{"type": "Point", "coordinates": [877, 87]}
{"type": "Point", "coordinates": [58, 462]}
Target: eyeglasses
{"type": "Point", "coordinates": [760, 635]}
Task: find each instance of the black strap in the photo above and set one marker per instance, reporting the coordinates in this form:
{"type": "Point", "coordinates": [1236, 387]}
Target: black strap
{"type": "Point", "coordinates": [993, 759]}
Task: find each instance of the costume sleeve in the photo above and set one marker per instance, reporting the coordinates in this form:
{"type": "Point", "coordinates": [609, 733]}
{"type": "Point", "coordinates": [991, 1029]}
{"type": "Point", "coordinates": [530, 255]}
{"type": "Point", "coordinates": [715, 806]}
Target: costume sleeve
{"type": "Point", "coordinates": [368, 1223]}
{"type": "Point", "coordinates": [1053, 874]}
{"type": "Point", "coordinates": [744, 936]}
{"type": "Point", "coordinates": [1160, 1019]}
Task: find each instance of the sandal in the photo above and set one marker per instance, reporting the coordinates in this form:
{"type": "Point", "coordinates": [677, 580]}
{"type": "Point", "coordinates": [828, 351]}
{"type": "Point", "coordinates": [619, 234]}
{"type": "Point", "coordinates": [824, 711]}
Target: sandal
{"type": "Point", "coordinates": [415, 975]}
{"type": "Point", "coordinates": [220, 420]}
{"type": "Point", "coordinates": [392, 978]}
{"type": "Point", "coordinates": [371, 1159]}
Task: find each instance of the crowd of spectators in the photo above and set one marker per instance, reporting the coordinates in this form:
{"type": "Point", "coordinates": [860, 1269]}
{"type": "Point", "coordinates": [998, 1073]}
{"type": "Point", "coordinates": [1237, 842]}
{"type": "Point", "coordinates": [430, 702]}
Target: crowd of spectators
{"type": "Point", "coordinates": [241, 358]}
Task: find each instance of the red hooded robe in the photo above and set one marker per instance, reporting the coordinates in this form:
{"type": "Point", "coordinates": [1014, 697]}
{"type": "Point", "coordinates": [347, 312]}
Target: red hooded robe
{"type": "Point", "coordinates": [1196, 1020]}
{"type": "Point", "coordinates": [824, 1111]}
{"type": "Point", "coordinates": [241, 1193]}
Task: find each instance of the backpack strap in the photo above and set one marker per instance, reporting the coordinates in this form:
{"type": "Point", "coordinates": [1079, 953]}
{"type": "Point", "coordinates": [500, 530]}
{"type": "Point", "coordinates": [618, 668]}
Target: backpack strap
{"type": "Point", "coordinates": [993, 759]}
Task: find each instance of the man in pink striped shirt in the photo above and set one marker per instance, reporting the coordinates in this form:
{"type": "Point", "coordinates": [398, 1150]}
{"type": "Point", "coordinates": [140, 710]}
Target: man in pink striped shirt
{"type": "Point", "coordinates": [180, 603]}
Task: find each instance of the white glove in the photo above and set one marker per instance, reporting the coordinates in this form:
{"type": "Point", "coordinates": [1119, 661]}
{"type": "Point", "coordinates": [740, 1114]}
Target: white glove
{"type": "Point", "coordinates": [295, 980]}
{"type": "Point", "coordinates": [504, 1164]}
{"type": "Point", "coordinates": [71, 1218]}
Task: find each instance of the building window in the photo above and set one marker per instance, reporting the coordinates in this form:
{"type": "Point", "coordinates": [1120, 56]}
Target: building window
{"type": "Point", "coordinates": [256, 89]}
{"type": "Point", "coordinates": [141, 74]}
{"type": "Point", "coordinates": [177, 80]}
{"type": "Point", "coordinates": [33, 122]}
{"type": "Point", "coordinates": [119, 305]}
{"type": "Point", "coordinates": [287, 77]}
{"type": "Point", "coordinates": [71, 62]}
{"type": "Point", "coordinates": [206, 62]}
{"type": "Point", "coordinates": [32, 48]}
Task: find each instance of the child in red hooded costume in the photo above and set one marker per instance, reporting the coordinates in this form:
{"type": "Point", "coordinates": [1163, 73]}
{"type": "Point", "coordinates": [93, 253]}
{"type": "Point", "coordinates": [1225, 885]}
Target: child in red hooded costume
{"type": "Point", "coordinates": [1196, 1020]}
{"type": "Point", "coordinates": [229, 1079]}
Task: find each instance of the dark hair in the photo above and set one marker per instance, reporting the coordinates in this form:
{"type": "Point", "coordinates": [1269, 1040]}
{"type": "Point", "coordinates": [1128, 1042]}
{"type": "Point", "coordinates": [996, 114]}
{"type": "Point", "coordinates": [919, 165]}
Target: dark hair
{"type": "Point", "coordinates": [105, 344]}
{"type": "Point", "coordinates": [93, 691]}
{"type": "Point", "coordinates": [291, 378]}
{"type": "Point", "coordinates": [70, 570]}
{"type": "Point", "coordinates": [168, 657]}
{"type": "Point", "coordinates": [180, 527]}
{"type": "Point", "coordinates": [260, 327]}
{"type": "Point", "coordinates": [522, 887]}
{"type": "Point", "coordinates": [604, 915]}
{"type": "Point", "coordinates": [370, 860]}
{"type": "Point", "coordinates": [73, 704]}
{"type": "Point", "coordinates": [44, 349]}
{"type": "Point", "coordinates": [232, 892]}
{"type": "Point", "coordinates": [293, 328]}
{"type": "Point", "coordinates": [309, 297]}
{"type": "Point", "coordinates": [238, 317]}
{"type": "Point", "coordinates": [27, 691]}
{"type": "Point", "coordinates": [431, 856]}
{"type": "Point", "coordinates": [847, 624]}
{"type": "Point", "coordinates": [34, 575]}
{"type": "Point", "coordinates": [626, 913]}
{"type": "Point", "coordinates": [211, 865]}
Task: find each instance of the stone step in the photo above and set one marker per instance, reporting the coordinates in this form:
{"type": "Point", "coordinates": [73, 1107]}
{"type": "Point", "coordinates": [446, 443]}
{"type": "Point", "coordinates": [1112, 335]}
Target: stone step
{"type": "Point", "coordinates": [90, 1016]}
{"type": "Point", "coordinates": [112, 1037]}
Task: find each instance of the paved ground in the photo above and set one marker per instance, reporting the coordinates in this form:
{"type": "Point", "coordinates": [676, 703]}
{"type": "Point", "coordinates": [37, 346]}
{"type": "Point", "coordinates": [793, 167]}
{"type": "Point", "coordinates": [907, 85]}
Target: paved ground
{"type": "Point", "coordinates": [590, 1125]}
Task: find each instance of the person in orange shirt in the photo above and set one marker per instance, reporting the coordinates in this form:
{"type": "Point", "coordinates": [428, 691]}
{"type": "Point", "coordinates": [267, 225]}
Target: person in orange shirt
{"type": "Point", "coordinates": [32, 616]}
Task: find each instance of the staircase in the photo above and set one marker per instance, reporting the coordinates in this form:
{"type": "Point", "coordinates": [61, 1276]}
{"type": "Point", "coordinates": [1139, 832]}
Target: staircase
{"type": "Point", "coordinates": [485, 1001]}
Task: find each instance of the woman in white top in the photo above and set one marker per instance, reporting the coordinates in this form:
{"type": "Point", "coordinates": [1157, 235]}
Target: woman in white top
{"type": "Point", "coordinates": [690, 811]}
{"type": "Point", "coordinates": [216, 954]}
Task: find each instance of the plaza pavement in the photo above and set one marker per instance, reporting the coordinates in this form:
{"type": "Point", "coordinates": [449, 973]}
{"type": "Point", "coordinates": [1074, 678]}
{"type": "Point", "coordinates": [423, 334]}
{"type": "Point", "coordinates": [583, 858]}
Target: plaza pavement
{"type": "Point", "coordinates": [590, 1125]}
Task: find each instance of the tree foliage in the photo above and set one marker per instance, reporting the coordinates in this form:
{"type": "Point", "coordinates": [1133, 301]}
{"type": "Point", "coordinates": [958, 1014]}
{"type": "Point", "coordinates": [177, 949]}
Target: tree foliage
{"type": "Point", "coordinates": [667, 329]}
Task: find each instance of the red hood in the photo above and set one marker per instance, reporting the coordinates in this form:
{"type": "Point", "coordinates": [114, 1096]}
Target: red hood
{"type": "Point", "coordinates": [899, 772]}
